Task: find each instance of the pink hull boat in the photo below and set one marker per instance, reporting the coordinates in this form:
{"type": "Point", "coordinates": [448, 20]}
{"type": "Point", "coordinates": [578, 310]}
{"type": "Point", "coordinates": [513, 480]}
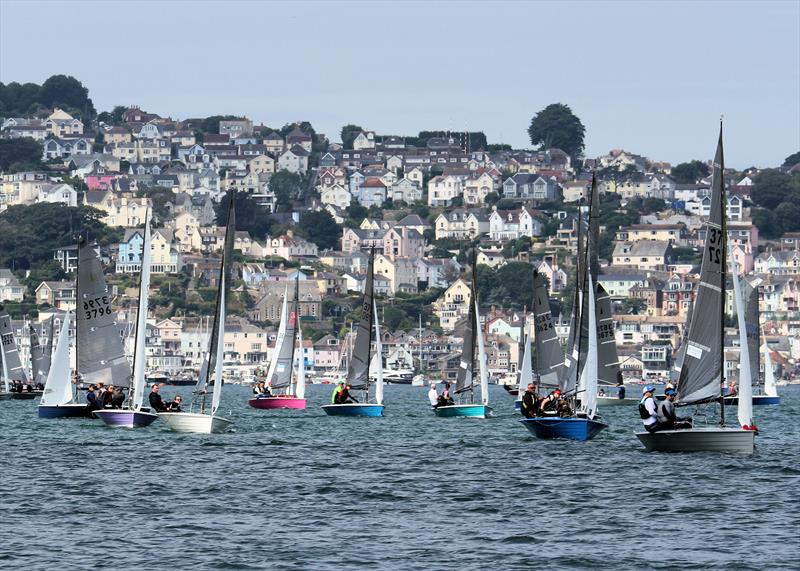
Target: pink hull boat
{"type": "Point", "coordinates": [278, 402]}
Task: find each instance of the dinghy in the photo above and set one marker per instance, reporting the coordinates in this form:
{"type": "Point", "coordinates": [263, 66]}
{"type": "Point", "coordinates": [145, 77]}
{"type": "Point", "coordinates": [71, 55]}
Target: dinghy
{"type": "Point", "coordinates": [358, 369]}
{"type": "Point", "coordinates": [58, 399]}
{"type": "Point", "coordinates": [701, 378]}
{"type": "Point", "coordinates": [579, 376]}
{"type": "Point", "coordinates": [202, 422]}
{"type": "Point", "coordinates": [288, 390]}
{"type": "Point", "coordinates": [13, 371]}
{"type": "Point", "coordinates": [465, 382]}
{"type": "Point", "coordinates": [133, 415]}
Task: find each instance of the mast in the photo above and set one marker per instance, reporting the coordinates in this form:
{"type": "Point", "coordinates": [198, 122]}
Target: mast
{"type": "Point", "coordinates": [582, 290]}
{"type": "Point", "coordinates": [477, 322]}
{"type": "Point", "coordinates": [77, 308]}
{"type": "Point", "coordinates": [296, 313]}
{"type": "Point", "coordinates": [723, 277]}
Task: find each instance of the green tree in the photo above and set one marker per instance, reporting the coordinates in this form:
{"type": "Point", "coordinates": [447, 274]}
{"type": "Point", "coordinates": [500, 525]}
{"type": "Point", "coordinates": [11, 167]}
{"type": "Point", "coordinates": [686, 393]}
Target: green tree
{"type": "Point", "coordinates": [66, 91]}
{"type": "Point", "coordinates": [634, 306]}
{"type": "Point", "coordinates": [556, 126]}
{"type": "Point", "coordinates": [349, 133]}
{"type": "Point", "coordinates": [787, 214]}
{"type": "Point", "coordinates": [689, 173]}
{"type": "Point", "coordinates": [320, 228]}
{"type": "Point", "coordinates": [211, 124]}
{"type": "Point", "coordinates": [161, 198]}
{"type": "Point", "coordinates": [771, 187]}
{"type": "Point", "coordinates": [25, 153]}
{"type": "Point", "coordinates": [286, 186]}
{"type": "Point", "coordinates": [792, 160]}
{"type": "Point", "coordinates": [767, 223]}
{"type": "Point", "coordinates": [491, 199]}
{"type": "Point", "coordinates": [356, 211]}
{"type": "Point", "coordinates": [250, 216]}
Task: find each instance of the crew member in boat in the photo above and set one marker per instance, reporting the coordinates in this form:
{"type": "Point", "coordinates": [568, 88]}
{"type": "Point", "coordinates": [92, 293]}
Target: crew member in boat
{"type": "Point", "coordinates": [337, 390]}
{"type": "Point", "coordinates": [107, 396]}
{"type": "Point", "coordinates": [91, 399]}
{"type": "Point", "coordinates": [550, 402]}
{"type": "Point", "coordinates": [101, 395]}
{"type": "Point", "coordinates": [156, 402]}
{"type": "Point", "coordinates": [648, 410]}
{"type": "Point", "coordinates": [260, 388]}
{"type": "Point", "coordinates": [345, 396]}
{"type": "Point", "coordinates": [667, 419]}
{"type": "Point", "coordinates": [433, 395]}
{"type": "Point", "coordinates": [530, 402]}
{"type": "Point", "coordinates": [175, 405]}
{"type": "Point", "coordinates": [117, 398]}
{"type": "Point", "coordinates": [445, 399]}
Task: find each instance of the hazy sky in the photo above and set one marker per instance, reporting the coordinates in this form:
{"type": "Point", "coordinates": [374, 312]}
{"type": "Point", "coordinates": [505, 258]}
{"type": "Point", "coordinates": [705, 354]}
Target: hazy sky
{"type": "Point", "coordinates": [649, 77]}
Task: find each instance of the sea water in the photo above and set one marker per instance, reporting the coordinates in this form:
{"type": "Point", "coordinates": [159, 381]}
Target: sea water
{"type": "Point", "coordinates": [301, 490]}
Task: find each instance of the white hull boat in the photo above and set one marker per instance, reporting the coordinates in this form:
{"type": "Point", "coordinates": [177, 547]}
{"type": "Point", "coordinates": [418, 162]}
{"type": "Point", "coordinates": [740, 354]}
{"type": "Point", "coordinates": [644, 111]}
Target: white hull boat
{"type": "Point", "coordinates": [195, 422]}
{"type": "Point", "coordinates": [615, 401]}
{"type": "Point", "coordinates": [712, 439]}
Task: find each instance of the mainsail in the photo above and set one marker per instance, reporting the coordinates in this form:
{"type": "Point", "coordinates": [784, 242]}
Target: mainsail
{"type": "Point", "coordinates": [526, 370]}
{"type": "Point", "coordinates": [752, 317]}
{"type": "Point", "coordinates": [590, 372]}
{"type": "Point", "coordinates": [745, 400]}
{"type": "Point", "coordinates": [139, 356]}
{"type": "Point", "coordinates": [701, 372]}
{"type": "Point", "coordinates": [358, 368]}
{"type": "Point", "coordinates": [101, 354]}
{"type": "Point", "coordinates": [39, 365]}
{"type": "Point", "coordinates": [549, 357]}
{"type": "Point", "coordinates": [378, 358]}
{"type": "Point", "coordinates": [12, 366]}
{"type": "Point", "coordinates": [466, 365]}
{"type": "Point", "coordinates": [607, 357]}
{"type": "Point", "coordinates": [280, 369]}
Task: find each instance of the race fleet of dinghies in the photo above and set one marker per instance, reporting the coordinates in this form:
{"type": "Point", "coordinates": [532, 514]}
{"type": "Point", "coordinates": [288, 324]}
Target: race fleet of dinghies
{"type": "Point", "coordinates": [202, 422]}
{"type": "Point", "coordinates": [701, 377]}
{"type": "Point", "coordinates": [288, 389]}
{"type": "Point", "coordinates": [133, 415]}
{"type": "Point", "coordinates": [13, 371]}
{"type": "Point", "coordinates": [465, 381]}
{"type": "Point", "coordinates": [358, 370]}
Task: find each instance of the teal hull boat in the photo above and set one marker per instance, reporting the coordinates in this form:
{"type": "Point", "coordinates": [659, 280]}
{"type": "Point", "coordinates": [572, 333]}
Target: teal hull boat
{"type": "Point", "coordinates": [468, 410]}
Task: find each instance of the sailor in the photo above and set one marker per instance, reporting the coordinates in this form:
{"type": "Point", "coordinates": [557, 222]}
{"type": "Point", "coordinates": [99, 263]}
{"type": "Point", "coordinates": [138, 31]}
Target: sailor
{"type": "Point", "coordinates": [550, 402]}
{"type": "Point", "coordinates": [175, 405]}
{"type": "Point", "coordinates": [108, 395]}
{"type": "Point", "coordinates": [260, 388]}
{"type": "Point", "coordinates": [345, 396]}
{"type": "Point", "coordinates": [433, 395]}
{"type": "Point", "coordinates": [117, 398]}
{"type": "Point", "coordinates": [667, 420]}
{"type": "Point", "coordinates": [91, 399]}
{"type": "Point", "coordinates": [101, 395]}
{"type": "Point", "coordinates": [648, 410]}
{"type": "Point", "coordinates": [530, 402]}
{"type": "Point", "coordinates": [337, 390]}
{"type": "Point", "coordinates": [156, 402]}
{"type": "Point", "coordinates": [445, 399]}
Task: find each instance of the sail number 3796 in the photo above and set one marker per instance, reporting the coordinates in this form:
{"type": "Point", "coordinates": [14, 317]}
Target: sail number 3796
{"type": "Point", "coordinates": [97, 306]}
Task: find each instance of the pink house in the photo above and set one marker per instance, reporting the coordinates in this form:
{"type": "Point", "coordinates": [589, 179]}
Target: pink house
{"type": "Point", "coordinates": [99, 181]}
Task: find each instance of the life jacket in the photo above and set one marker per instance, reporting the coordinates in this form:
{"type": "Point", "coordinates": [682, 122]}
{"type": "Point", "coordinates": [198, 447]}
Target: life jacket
{"type": "Point", "coordinates": [643, 412]}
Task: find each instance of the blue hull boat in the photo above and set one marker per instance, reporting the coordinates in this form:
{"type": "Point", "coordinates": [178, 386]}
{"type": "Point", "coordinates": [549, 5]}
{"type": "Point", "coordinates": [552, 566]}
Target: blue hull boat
{"type": "Point", "coordinates": [126, 418]}
{"type": "Point", "coordinates": [517, 404]}
{"type": "Point", "coordinates": [757, 400]}
{"type": "Point", "coordinates": [467, 410]}
{"type": "Point", "coordinates": [353, 409]}
{"type": "Point", "coordinates": [63, 411]}
{"type": "Point", "coordinates": [571, 428]}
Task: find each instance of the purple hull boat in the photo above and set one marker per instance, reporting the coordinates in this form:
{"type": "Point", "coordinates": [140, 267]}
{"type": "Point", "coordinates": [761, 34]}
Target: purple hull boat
{"type": "Point", "coordinates": [126, 418]}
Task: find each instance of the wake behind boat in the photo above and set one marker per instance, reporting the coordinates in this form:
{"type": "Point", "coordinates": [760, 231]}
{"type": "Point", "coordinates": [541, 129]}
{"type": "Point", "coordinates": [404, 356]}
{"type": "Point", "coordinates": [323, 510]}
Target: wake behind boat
{"type": "Point", "coordinates": [358, 377]}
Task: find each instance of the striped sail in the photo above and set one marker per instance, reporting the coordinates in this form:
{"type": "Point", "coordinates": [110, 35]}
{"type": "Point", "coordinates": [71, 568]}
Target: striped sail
{"type": "Point", "coordinates": [549, 357]}
{"type": "Point", "coordinates": [701, 372]}
{"type": "Point", "coordinates": [464, 380]}
{"type": "Point", "coordinates": [608, 368]}
{"type": "Point", "coordinates": [101, 354]}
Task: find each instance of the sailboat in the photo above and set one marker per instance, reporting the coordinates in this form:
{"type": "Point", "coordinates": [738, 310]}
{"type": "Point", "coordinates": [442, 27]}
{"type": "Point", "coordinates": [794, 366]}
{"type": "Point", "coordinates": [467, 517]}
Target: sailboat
{"type": "Point", "coordinates": [465, 381]}
{"type": "Point", "coordinates": [358, 368]}
{"type": "Point", "coordinates": [58, 399]}
{"type": "Point", "coordinates": [525, 371]}
{"type": "Point", "coordinates": [767, 391]}
{"type": "Point", "coordinates": [13, 370]}
{"type": "Point", "coordinates": [280, 374]}
{"type": "Point", "coordinates": [702, 374]}
{"type": "Point", "coordinates": [202, 422]}
{"type": "Point", "coordinates": [99, 352]}
{"type": "Point", "coordinates": [133, 415]}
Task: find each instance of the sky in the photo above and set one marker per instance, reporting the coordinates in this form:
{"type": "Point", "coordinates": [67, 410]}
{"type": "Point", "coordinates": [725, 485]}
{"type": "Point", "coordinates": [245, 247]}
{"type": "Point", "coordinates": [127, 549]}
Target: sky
{"type": "Point", "coordinates": [649, 77]}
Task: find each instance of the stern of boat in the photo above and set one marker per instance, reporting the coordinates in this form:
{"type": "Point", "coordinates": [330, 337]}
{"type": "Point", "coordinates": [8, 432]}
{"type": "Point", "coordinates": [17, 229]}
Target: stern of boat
{"type": "Point", "coordinates": [354, 409]}
{"type": "Point", "coordinates": [465, 410]}
{"type": "Point", "coordinates": [195, 422]}
{"type": "Point", "coordinates": [572, 428]}
{"type": "Point", "coordinates": [717, 439]}
{"type": "Point", "coordinates": [126, 418]}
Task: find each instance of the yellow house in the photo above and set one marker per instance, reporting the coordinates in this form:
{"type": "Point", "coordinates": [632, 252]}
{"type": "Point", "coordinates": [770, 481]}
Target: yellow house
{"type": "Point", "coordinates": [61, 123]}
{"type": "Point", "coordinates": [453, 304]}
{"type": "Point", "coordinates": [261, 164]}
{"type": "Point", "coordinates": [244, 342]}
{"type": "Point", "coordinates": [401, 273]}
{"type": "Point", "coordinates": [186, 226]}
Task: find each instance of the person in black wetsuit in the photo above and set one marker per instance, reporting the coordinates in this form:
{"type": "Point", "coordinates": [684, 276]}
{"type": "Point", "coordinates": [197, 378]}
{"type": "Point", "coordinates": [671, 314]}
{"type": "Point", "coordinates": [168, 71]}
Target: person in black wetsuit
{"type": "Point", "coordinates": [175, 405]}
{"type": "Point", "coordinates": [91, 400]}
{"type": "Point", "coordinates": [530, 402]}
{"type": "Point", "coordinates": [156, 402]}
{"type": "Point", "coordinates": [117, 398]}
{"type": "Point", "coordinates": [345, 396]}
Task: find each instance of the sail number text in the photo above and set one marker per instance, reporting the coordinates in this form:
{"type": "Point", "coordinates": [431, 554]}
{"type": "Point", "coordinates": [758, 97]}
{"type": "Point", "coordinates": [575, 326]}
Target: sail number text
{"type": "Point", "coordinates": [97, 306]}
{"type": "Point", "coordinates": [714, 245]}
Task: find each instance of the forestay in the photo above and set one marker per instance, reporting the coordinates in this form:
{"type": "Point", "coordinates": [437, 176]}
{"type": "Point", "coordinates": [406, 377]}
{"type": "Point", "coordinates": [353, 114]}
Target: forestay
{"type": "Point", "coordinates": [700, 374]}
{"type": "Point", "coordinates": [101, 354]}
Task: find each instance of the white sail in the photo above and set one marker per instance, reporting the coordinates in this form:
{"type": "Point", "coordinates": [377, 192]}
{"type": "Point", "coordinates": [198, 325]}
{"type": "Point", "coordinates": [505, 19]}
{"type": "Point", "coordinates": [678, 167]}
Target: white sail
{"type": "Point", "coordinates": [300, 387]}
{"type": "Point", "coordinates": [590, 368]}
{"type": "Point", "coordinates": [281, 337]}
{"type": "Point", "coordinates": [769, 374]}
{"type": "Point", "coordinates": [139, 357]}
{"type": "Point", "coordinates": [745, 392]}
{"type": "Point", "coordinates": [220, 356]}
{"type": "Point", "coordinates": [526, 371]}
{"type": "Point", "coordinates": [482, 370]}
{"type": "Point", "coordinates": [378, 357]}
{"type": "Point", "coordinates": [58, 388]}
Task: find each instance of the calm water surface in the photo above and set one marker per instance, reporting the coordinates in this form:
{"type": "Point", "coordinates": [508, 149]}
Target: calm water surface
{"type": "Point", "coordinates": [290, 490]}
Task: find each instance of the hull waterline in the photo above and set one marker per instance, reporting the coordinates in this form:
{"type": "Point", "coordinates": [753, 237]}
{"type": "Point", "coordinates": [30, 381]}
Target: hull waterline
{"type": "Point", "coordinates": [717, 439]}
{"type": "Point", "coordinates": [126, 418]}
{"type": "Point", "coordinates": [275, 403]}
{"type": "Point", "coordinates": [465, 410]}
{"type": "Point", "coordinates": [354, 409]}
{"type": "Point", "coordinates": [572, 428]}
{"type": "Point", "coordinates": [195, 422]}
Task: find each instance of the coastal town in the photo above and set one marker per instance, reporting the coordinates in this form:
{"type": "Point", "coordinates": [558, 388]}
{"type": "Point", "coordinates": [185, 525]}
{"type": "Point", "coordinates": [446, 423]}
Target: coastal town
{"type": "Point", "coordinates": [311, 207]}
